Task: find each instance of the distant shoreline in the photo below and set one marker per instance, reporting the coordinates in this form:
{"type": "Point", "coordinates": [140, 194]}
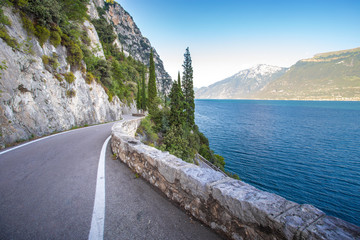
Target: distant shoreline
{"type": "Point", "coordinates": [304, 100]}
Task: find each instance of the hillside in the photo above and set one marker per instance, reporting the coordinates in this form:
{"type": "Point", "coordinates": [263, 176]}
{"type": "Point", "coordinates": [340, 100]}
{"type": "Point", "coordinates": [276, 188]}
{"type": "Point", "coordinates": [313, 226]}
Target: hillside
{"type": "Point", "coordinates": [65, 64]}
{"type": "Point", "coordinates": [242, 85]}
{"type": "Point", "coordinates": [326, 76]}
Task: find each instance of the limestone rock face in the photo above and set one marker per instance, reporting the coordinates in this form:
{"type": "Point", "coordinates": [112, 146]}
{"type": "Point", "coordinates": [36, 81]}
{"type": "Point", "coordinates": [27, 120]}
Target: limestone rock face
{"type": "Point", "coordinates": [132, 41]}
{"type": "Point", "coordinates": [33, 102]}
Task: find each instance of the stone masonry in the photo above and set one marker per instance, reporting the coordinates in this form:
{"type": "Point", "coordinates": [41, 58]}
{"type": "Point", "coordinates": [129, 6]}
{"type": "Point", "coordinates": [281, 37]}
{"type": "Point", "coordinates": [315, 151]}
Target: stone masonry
{"type": "Point", "coordinates": [230, 207]}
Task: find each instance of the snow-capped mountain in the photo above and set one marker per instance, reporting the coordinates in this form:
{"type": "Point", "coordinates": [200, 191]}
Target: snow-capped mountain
{"type": "Point", "coordinates": [242, 85]}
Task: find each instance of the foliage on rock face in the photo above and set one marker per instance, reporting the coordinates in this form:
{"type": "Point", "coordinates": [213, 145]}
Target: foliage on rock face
{"type": "Point", "coordinates": [55, 36]}
{"type": "Point", "coordinates": [4, 21]}
{"type": "Point", "coordinates": [59, 21]}
{"type": "Point", "coordinates": [50, 61]}
{"type": "Point", "coordinates": [69, 77]}
{"type": "Point", "coordinates": [121, 72]}
{"type": "Point", "coordinates": [3, 66]}
{"type": "Point", "coordinates": [42, 33]}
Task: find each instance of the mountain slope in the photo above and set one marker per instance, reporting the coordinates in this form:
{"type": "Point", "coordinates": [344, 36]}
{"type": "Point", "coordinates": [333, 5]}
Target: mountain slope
{"type": "Point", "coordinates": [326, 76]}
{"type": "Point", "coordinates": [241, 85]}
{"type": "Point", "coordinates": [130, 40]}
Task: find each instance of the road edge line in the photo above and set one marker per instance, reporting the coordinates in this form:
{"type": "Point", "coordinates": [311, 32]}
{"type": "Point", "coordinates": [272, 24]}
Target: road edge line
{"type": "Point", "coordinates": [98, 216]}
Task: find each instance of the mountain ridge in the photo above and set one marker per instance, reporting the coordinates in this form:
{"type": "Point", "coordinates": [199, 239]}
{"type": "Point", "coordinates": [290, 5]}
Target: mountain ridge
{"type": "Point", "coordinates": [242, 84]}
{"type": "Point", "coordinates": [326, 76]}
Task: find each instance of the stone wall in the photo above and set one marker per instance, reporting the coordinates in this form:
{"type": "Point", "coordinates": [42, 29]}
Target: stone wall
{"type": "Point", "coordinates": [230, 207]}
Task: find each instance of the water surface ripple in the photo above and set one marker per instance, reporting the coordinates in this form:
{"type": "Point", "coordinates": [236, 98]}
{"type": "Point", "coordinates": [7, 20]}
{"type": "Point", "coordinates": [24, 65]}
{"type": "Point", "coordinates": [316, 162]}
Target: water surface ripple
{"type": "Point", "coordinates": [305, 151]}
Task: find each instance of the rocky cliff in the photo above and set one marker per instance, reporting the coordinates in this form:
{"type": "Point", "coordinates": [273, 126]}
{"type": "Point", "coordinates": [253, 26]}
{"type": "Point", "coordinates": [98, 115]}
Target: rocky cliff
{"type": "Point", "coordinates": [131, 41]}
{"type": "Point", "coordinates": [242, 85]}
{"type": "Point", "coordinates": [35, 97]}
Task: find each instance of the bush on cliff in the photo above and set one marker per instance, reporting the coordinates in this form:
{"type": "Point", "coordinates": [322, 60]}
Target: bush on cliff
{"type": "Point", "coordinates": [42, 33]}
{"type": "Point", "coordinates": [69, 77]}
{"type": "Point", "coordinates": [55, 36]}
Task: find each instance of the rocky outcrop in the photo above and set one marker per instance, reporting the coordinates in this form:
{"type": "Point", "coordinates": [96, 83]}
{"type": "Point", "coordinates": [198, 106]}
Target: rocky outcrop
{"type": "Point", "coordinates": [34, 102]}
{"type": "Point", "coordinates": [230, 207]}
{"type": "Point", "coordinates": [132, 41]}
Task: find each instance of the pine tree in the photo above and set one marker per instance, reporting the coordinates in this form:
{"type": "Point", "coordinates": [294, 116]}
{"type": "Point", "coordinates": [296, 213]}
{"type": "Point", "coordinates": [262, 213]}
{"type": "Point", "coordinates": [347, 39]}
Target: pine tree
{"type": "Point", "coordinates": [143, 92]}
{"type": "Point", "coordinates": [152, 93]}
{"type": "Point", "coordinates": [188, 89]}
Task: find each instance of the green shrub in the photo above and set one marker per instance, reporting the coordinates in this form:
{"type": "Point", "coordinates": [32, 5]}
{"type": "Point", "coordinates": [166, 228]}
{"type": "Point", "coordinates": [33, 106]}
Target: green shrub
{"type": "Point", "coordinates": [147, 128]}
{"type": "Point", "coordinates": [7, 38]}
{"type": "Point", "coordinates": [55, 36]}
{"type": "Point", "coordinates": [85, 38]}
{"type": "Point", "coordinates": [28, 24]}
{"type": "Point", "coordinates": [51, 61]}
{"type": "Point", "coordinates": [75, 54]}
{"type": "Point", "coordinates": [45, 59]}
{"type": "Point", "coordinates": [19, 3]}
{"type": "Point", "coordinates": [42, 33]}
{"type": "Point", "coordinates": [110, 96]}
{"type": "Point", "coordinates": [89, 78]}
{"type": "Point", "coordinates": [4, 19]}
{"type": "Point", "coordinates": [44, 12]}
{"type": "Point", "coordinates": [71, 93]}
{"type": "Point", "coordinates": [3, 66]}
{"type": "Point", "coordinates": [69, 77]}
{"type": "Point", "coordinates": [58, 77]}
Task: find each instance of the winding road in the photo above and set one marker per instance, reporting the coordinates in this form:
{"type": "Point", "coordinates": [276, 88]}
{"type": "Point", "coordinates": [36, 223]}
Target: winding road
{"type": "Point", "coordinates": [48, 188]}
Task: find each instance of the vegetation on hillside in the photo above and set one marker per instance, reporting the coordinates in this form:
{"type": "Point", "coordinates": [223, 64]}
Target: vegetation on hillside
{"type": "Point", "coordinates": [60, 22]}
{"type": "Point", "coordinates": [172, 127]}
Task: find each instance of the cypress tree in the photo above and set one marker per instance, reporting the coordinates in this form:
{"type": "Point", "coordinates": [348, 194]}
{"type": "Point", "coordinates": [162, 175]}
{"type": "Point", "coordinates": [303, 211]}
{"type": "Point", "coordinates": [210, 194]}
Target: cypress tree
{"type": "Point", "coordinates": [143, 91]}
{"type": "Point", "coordinates": [176, 117]}
{"type": "Point", "coordinates": [188, 89]}
{"type": "Point", "coordinates": [152, 84]}
{"type": "Point", "coordinates": [179, 81]}
{"type": "Point", "coordinates": [138, 96]}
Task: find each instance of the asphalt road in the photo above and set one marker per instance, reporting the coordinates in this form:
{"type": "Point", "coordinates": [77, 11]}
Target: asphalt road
{"type": "Point", "coordinates": [47, 191]}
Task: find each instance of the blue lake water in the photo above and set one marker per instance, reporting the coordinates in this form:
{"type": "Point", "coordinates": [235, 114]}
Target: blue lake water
{"type": "Point", "coordinates": [305, 151]}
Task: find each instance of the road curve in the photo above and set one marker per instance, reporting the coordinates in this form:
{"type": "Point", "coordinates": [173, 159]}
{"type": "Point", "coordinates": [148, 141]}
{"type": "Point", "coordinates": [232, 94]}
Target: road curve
{"type": "Point", "coordinates": [47, 191]}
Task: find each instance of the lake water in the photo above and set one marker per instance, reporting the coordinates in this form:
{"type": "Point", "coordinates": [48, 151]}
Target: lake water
{"type": "Point", "coordinates": [305, 151]}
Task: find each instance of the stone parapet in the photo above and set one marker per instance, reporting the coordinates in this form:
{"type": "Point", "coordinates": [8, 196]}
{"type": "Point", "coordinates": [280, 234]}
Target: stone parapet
{"type": "Point", "coordinates": [231, 207]}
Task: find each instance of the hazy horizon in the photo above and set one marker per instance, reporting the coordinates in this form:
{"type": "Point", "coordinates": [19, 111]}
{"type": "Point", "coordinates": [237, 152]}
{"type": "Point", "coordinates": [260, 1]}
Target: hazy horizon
{"type": "Point", "coordinates": [225, 37]}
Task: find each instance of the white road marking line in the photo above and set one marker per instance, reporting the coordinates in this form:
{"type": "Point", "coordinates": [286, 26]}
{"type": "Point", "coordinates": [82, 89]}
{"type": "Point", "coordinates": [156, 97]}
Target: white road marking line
{"type": "Point", "coordinates": [43, 138]}
{"type": "Point", "coordinates": [37, 140]}
{"type": "Point", "coordinates": [98, 216]}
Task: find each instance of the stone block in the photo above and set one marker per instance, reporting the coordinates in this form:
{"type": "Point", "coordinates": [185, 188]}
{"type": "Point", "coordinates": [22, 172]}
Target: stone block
{"type": "Point", "coordinates": [248, 204]}
{"type": "Point", "coordinates": [195, 180]}
{"type": "Point", "coordinates": [331, 228]}
{"type": "Point", "coordinates": [170, 168]}
{"type": "Point", "coordinates": [294, 220]}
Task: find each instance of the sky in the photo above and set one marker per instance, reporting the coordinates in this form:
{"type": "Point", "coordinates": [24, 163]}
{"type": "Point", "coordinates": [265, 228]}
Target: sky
{"type": "Point", "coordinates": [226, 36]}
